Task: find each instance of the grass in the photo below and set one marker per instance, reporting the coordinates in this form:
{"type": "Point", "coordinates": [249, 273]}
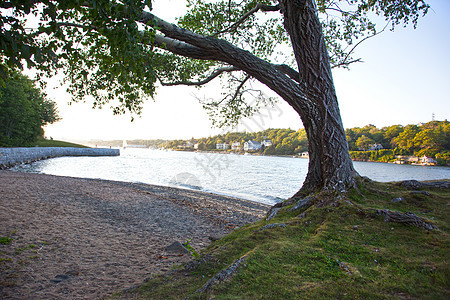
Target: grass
{"type": "Point", "coordinates": [15, 255]}
{"type": "Point", "coordinates": [4, 240]}
{"type": "Point", "coordinates": [41, 142]}
{"type": "Point", "coordinates": [334, 249]}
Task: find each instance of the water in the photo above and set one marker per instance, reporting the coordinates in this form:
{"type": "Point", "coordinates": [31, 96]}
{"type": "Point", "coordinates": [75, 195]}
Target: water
{"type": "Point", "coordinates": [263, 179]}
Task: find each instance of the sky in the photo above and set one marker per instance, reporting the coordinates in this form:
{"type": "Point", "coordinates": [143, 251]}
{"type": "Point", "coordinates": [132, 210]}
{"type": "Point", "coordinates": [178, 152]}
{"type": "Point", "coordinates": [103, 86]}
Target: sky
{"type": "Point", "coordinates": [404, 79]}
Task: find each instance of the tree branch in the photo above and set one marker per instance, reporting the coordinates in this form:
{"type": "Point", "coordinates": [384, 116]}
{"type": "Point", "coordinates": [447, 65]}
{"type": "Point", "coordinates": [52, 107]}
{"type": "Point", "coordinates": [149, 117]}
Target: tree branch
{"type": "Point", "coordinates": [236, 94]}
{"type": "Point", "coordinates": [259, 6]}
{"type": "Point", "coordinates": [175, 32]}
{"type": "Point", "coordinates": [345, 62]}
{"type": "Point", "coordinates": [189, 44]}
{"type": "Point", "coordinates": [293, 74]}
{"type": "Point", "coordinates": [212, 76]}
{"type": "Point", "coordinates": [182, 48]}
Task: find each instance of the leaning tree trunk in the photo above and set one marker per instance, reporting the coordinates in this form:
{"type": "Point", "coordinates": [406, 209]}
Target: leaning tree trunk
{"type": "Point", "coordinates": [330, 164]}
{"type": "Point", "coordinates": [311, 92]}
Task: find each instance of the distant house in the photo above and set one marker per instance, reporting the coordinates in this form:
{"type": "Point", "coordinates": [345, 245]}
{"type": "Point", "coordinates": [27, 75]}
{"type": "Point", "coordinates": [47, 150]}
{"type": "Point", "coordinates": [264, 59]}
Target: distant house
{"type": "Point", "coordinates": [252, 146]}
{"type": "Point", "coordinates": [196, 146]}
{"type": "Point", "coordinates": [376, 147]}
{"type": "Point", "coordinates": [401, 159]}
{"type": "Point", "coordinates": [187, 145]}
{"type": "Point", "coordinates": [412, 159]}
{"type": "Point", "coordinates": [425, 160]}
{"type": "Point", "coordinates": [236, 146]}
{"type": "Point", "coordinates": [223, 146]}
{"type": "Point", "coordinates": [266, 143]}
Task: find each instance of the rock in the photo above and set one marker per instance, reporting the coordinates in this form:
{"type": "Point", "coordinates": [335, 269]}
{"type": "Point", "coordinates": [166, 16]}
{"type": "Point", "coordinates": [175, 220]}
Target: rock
{"type": "Point", "coordinates": [213, 238]}
{"type": "Point", "coordinates": [177, 247]}
{"type": "Point", "coordinates": [59, 278]}
{"type": "Point", "coordinates": [415, 185]}
{"type": "Point", "coordinates": [410, 184]}
{"type": "Point", "coordinates": [344, 267]}
{"type": "Point", "coordinates": [397, 200]}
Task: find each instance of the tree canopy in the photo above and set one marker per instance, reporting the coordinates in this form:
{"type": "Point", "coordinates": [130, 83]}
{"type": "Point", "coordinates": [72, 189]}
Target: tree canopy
{"type": "Point", "coordinates": [24, 109]}
{"type": "Point", "coordinates": [119, 51]}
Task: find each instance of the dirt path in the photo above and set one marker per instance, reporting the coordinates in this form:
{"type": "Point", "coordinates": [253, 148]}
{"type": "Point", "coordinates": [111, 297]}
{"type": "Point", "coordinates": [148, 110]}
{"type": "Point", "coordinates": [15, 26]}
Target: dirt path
{"type": "Point", "coordinates": [85, 239]}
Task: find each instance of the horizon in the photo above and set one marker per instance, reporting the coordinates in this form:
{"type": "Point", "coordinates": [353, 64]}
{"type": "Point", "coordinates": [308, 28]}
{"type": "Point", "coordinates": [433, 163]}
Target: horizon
{"type": "Point", "coordinates": [224, 133]}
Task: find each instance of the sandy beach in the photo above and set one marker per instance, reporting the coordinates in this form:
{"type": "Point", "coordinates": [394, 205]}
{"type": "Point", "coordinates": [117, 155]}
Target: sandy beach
{"type": "Point", "coordinates": [73, 238]}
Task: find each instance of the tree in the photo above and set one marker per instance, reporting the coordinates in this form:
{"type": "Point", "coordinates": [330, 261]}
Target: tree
{"type": "Point", "coordinates": [405, 140]}
{"type": "Point", "coordinates": [364, 142]}
{"type": "Point", "coordinates": [390, 133]}
{"type": "Point", "coordinates": [120, 50]}
{"type": "Point", "coordinates": [23, 111]}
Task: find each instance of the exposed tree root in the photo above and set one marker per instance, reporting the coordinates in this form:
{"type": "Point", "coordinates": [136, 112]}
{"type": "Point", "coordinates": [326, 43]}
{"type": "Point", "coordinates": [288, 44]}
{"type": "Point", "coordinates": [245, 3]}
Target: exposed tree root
{"type": "Point", "coordinates": [298, 203]}
{"type": "Point", "coordinates": [272, 213]}
{"type": "Point", "coordinates": [222, 275]}
{"type": "Point", "coordinates": [408, 218]}
{"type": "Point", "coordinates": [415, 185]}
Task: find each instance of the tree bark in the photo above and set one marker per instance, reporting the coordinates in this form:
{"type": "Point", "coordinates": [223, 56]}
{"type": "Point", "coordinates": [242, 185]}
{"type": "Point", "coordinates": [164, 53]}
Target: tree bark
{"type": "Point", "coordinates": [330, 164]}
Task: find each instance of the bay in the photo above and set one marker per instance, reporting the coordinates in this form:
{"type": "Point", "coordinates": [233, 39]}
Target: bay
{"type": "Point", "coordinates": [265, 179]}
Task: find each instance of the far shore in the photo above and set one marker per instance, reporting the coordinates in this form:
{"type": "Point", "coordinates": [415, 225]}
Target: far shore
{"type": "Point", "coordinates": [287, 156]}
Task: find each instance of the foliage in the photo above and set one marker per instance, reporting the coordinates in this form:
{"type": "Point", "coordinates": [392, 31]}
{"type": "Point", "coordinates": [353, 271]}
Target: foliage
{"type": "Point", "coordinates": [428, 139]}
{"type": "Point", "coordinates": [363, 142]}
{"type": "Point", "coordinates": [107, 50]}
{"type": "Point", "coordinates": [385, 155]}
{"type": "Point", "coordinates": [24, 109]}
{"type": "Point", "coordinates": [443, 158]}
{"type": "Point", "coordinates": [335, 248]}
{"type": "Point", "coordinates": [191, 249]}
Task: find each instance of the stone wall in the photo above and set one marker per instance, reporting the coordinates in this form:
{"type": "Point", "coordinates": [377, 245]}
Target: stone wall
{"type": "Point", "coordinates": [13, 156]}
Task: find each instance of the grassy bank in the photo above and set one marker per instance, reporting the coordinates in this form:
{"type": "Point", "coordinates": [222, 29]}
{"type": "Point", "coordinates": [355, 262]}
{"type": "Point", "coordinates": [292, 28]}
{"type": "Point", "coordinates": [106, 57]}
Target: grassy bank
{"type": "Point", "coordinates": [54, 143]}
{"type": "Point", "coordinates": [330, 248]}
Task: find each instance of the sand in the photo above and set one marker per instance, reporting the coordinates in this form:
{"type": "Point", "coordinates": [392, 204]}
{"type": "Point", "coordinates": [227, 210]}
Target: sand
{"type": "Point", "coordinates": [75, 238]}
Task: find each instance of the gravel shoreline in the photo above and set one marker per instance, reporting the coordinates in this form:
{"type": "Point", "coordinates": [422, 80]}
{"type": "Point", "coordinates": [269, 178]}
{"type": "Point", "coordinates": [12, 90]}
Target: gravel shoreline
{"type": "Point", "coordinates": [78, 238]}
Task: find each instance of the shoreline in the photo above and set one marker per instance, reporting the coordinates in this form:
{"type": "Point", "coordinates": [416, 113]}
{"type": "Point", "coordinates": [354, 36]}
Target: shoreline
{"type": "Point", "coordinates": [87, 238]}
{"type": "Point", "coordinates": [296, 156]}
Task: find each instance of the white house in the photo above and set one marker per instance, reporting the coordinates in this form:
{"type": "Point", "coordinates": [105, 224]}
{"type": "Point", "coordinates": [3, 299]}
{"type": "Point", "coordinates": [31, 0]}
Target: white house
{"type": "Point", "coordinates": [252, 145]}
{"type": "Point", "coordinates": [266, 143]}
{"type": "Point", "coordinates": [425, 160]}
{"type": "Point", "coordinates": [223, 146]}
{"type": "Point", "coordinates": [376, 147]}
{"type": "Point", "coordinates": [236, 146]}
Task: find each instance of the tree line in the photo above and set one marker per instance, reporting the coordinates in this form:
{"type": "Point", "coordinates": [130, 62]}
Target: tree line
{"type": "Point", "coordinates": [431, 139]}
{"type": "Point", "coordinates": [24, 110]}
